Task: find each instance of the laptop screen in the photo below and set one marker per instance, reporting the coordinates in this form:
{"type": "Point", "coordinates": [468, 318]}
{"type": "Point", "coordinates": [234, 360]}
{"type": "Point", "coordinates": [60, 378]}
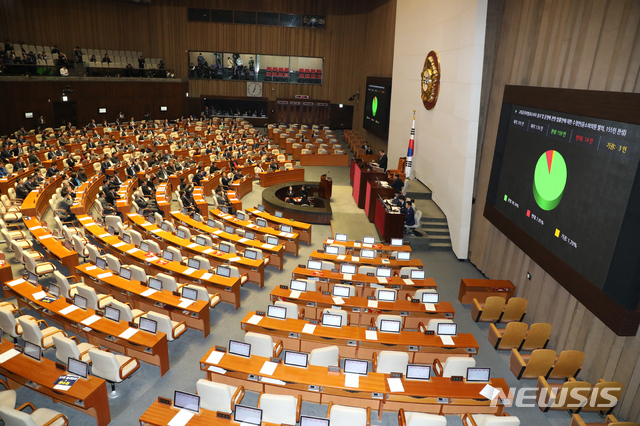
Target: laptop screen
{"type": "Point", "coordinates": [345, 268]}
{"type": "Point", "coordinates": [278, 214]}
{"type": "Point", "coordinates": [32, 351]}
{"type": "Point", "coordinates": [181, 234]}
{"type": "Point", "coordinates": [186, 401]}
{"type": "Point", "coordinates": [78, 368]}
{"type": "Point", "coordinates": [386, 295]}
{"type": "Point", "coordinates": [341, 237]}
{"type": "Point", "coordinates": [229, 229]}
{"type": "Point", "coordinates": [341, 291]}
{"type": "Point", "coordinates": [272, 240]}
{"type": "Point", "coordinates": [286, 228]}
{"type": "Point", "coordinates": [197, 217]}
{"type": "Point", "coordinates": [101, 263]}
{"type": "Point", "coordinates": [404, 255]}
{"type": "Point", "coordinates": [193, 263]}
{"type": "Point", "coordinates": [32, 278]}
{"type": "Point", "coordinates": [112, 313]}
{"type": "Point", "coordinates": [144, 246]}
{"type": "Point", "coordinates": [331, 320]}
{"type": "Point", "coordinates": [368, 240]}
{"type": "Point", "coordinates": [313, 421]}
{"type": "Point", "coordinates": [417, 274]}
{"type": "Point", "coordinates": [331, 250]}
{"type": "Point", "coordinates": [447, 329]}
{"type": "Point", "coordinates": [148, 325]}
{"type": "Point", "coordinates": [368, 253]}
{"type": "Point", "coordinates": [167, 255]}
{"type": "Point", "coordinates": [383, 272]}
{"type": "Point", "coordinates": [240, 215]}
{"type": "Point", "coordinates": [390, 326]}
{"type": "Point", "coordinates": [125, 273]}
{"type": "Point", "coordinates": [250, 235]}
{"type": "Point", "coordinates": [397, 242]}
{"type": "Point", "coordinates": [80, 302]}
{"type": "Point", "coordinates": [261, 222]}
{"type": "Point", "coordinates": [356, 366]}
{"type": "Point", "coordinates": [430, 297]}
{"type": "Point", "coordinates": [155, 283]}
{"type": "Point", "coordinates": [223, 271]}
{"type": "Point", "coordinates": [250, 254]}
{"type": "Point", "coordinates": [297, 359]}
{"type": "Point", "coordinates": [111, 230]}
{"type": "Point", "coordinates": [54, 290]}
{"type": "Point", "coordinates": [278, 312]}
{"type": "Point", "coordinates": [211, 223]}
{"type": "Point", "coordinates": [201, 241]}
{"type": "Point", "coordinates": [224, 209]}
{"type": "Point", "coordinates": [126, 238]}
{"type": "Point", "coordinates": [298, 285]}
{"type": "Point", "coordinates": [225, 248]}
{"type": "Point", "coordinates": [478, 374]}
{"type": "Point", "coordinates": [164, 226]}
{"type": "Point", "coordinates": [260, 207]}
{"type": "Point", "coordinates": [418, 372]}
{"type": "Point", "coordinates": [250, 415]}
{"type": "Point", "coordinates": [239, 348]}
{"type": "Point", "coordinates": [314, 265]}
{"type": "Point", "coordinates": [189, 293]}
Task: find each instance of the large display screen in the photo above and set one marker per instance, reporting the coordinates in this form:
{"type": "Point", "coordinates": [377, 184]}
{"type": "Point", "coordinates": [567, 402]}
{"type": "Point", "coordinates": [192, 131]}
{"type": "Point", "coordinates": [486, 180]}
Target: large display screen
{"type": "Point", "coordinates": [377, 106]}
{"type": "Point", "coordinates": [566, 180]}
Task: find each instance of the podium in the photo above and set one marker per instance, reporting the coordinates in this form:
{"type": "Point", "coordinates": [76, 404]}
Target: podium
{"type": "Point", "coordinates": [388, 223]}
{"type": "Point", "coordinates": [324, 189]}
{"type": "Point", "coordinates": [363, 173]}
{"type": "Point", "coordinates": [375, 189]}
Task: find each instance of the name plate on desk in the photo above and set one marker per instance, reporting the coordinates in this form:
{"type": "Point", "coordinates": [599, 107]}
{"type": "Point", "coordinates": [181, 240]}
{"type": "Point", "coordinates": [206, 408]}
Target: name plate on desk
{"type": "Point", "coordinates": [442, 400]}
{"type": "Point", "coordinates": [284, 287]}
{"type": "Point", "coordinates": [429, 332]}
{"type": "Point", "coordinates": [165, 401]}
{"type": "Point", "coordinates": [333, 369]}
{"type": "Point", "coordinates": [471, 350]}
{"type": "Point", "coordinates": [326, 293]}
{"type": "Point", "coordinates": [396, 375]}
{"type": "Point", "coordinates": [457, 378]}
{"type": "Point", "coordinates": [415, 300]}
{"type": "Point", "coordinates": [260, 313]}
{"type": "Point", "coordinates": [314, 322]}
{"type": "Point", "coordinates": [221, 349]}
{"type": "Point", "coordinates": [275, 360]}
{"type": "Point", "coordinates": [223, 415]}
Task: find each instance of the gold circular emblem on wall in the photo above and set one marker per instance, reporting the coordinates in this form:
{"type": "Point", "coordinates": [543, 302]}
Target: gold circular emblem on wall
{"type": "Point", "coordinates": [430, 80]}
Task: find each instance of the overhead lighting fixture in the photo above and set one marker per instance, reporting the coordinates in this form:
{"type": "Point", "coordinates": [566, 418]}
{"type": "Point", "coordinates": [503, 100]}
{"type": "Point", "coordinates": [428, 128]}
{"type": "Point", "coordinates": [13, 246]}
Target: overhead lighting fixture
{"type": "Point", "coordinates": [65, 99]}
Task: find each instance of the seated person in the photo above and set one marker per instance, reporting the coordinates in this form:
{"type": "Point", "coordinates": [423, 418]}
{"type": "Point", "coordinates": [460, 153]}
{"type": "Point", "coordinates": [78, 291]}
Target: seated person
{"type": "Point", "coordinates": [304, 200]}
{"type": "Point", "coordinates": [3, 170]}
{"type": "Point", "coordinates": [63, 209]}
{"type": "Point", "coordinates": [409, 219]}
{"type": "Point", "coordinates": [289, 196]}
{"type": "Point", "coordinates": [397, 183]}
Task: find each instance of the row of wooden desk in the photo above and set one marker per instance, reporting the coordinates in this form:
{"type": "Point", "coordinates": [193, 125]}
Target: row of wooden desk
{"type": "Point", "coordinates": [394, 264]}
{"type": "Point", "coordinates": [280, 176]}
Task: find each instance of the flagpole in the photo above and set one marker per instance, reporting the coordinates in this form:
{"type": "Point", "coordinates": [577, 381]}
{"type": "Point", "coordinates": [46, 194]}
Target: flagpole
{"type": "Point", "coordinates": [409, 161]}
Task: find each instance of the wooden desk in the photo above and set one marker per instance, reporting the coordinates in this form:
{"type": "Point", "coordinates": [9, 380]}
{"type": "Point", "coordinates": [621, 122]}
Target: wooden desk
{"type": "Point", "coordinates": [481, 289]}
{"type": "Point", "coordinates": [275, 253]}
{"type": "Point", "coordinates": [328, 278]}
{"type": "Point", "coordinates": [362, 173]}
{"type": "Point", "coordinates": [358, 260]}
{"type": "Point", "coordinates": [37, 202]}
{"type": "Point", "coordinates": [242, 186]}
{"type": "Point", "coordinates": [281, 176]}
{"type": "Point", "coordinates": [324, 160]}
{"type": "Point", "coordinates": [163, 198]}
{"type": "Point", "coordinates": [389, 224]}
{"type": "Point", "coordinates": [87, 396]}
{"type": "Point", "coordinates": [10, 181]}
{"type": "Point", "coordinates": [363, 310]}
{"type": "Point", "coordinates": [195, 316]}
{"type": "Point", "coordinates": [291, 241]}
{"type": "Point", "coordinates": [417, 396]}
{"type": "Point", "coordinates": [147, 347]}
{"type": "Point", "coordinates": [86, 195]}
{"type": "Point", "coordinates": [53, 246]}
{"type": "Point", "coordinates": [253, 268]}
{"type": "Point", "coordinates": [352, 342]}
{"type": "Point", "coordinates": [372, 191]}
{"type": "Point", "coordinates": [303, 229]}
{"type": "Point", "coordinates": [359, 245]}
{"type": "Point", "coordinates": [229, 288]}
{"type": "Point", "coordinates": [125, 193]}
{"type": "Point", "coordinates": [161, 414]}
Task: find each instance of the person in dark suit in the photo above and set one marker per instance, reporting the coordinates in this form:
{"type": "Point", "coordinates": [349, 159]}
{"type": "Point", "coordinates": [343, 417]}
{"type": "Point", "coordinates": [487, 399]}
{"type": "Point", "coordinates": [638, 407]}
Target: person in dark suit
{"type": "Point", "coordinates": [382, 163]}
{"type": "Point", "coordinates": [33, 158]}
{"type": "Point", "coordinates": [162, 174]}
{"type": "Point", "coordinates": [409, 219]}
{"type": "Point", "coordinates": [397, 183]}
{"type": "Point", "coordinates": [130, 171]}
{"type": "Point", "coordinates": [105, 164]}
{"type": "Point", "coordinates": [52, 171]}
{"type": "Point", "coordinates": [19, 165]}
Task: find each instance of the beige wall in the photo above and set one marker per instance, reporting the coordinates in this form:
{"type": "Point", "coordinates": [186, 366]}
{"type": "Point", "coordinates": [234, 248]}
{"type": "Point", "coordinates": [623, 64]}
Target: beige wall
{"type": "Point", "coordinates": [579, 44]}
{"type": "Point", "coordinates": [446, 137]}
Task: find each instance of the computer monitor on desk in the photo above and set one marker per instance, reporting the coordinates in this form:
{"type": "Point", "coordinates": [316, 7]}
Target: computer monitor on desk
{"type": "Point", "coordinates": [112, 313]}
{"type": "Point", "coordinates": [390, 326]}
{"type": "Point", "coordinates": [193, 263]}
{"type": "Point", "coordinates": [78, 368]}
{"type": "Point", "coordinates": [277, 312]}
{"type": "Point", "coordinates": [383, 272]}
{"type": "Point", "coordinates": [356, 366]}
{"type": "Point", "coordinates": [148, 325]}
{"type": "Point", "coordinates": [331, 320]}
{"type": "Point", "coordinates": [125, 273]}
{"type": "Point", "coordinates": [341, 237]}
{"type": "Point", "coordinates": [260, 208]}
{"type": "Point", "coordinates": [341, 291]}
{"type": "Point", "coordinates": [155, 283]}
{"type": "Point", "coordinates": [430, 297]}
{"type": "Point", "coordinates": [278, 214]}
{"type": "Point", "coordinates": [32, 351]}
{"type": "Point", "coordinates": [447, 329]}
{"type": "Point", "coordinates": [167, 255]}
{"type": "Point", "coordinates": [332, 250]}
{"type": "Point", "coordinates": [296, 359]}
{"type": "Point", "coordinates": [348, 269]}
{"type": "Point", "coordinates": [101, 263]}
{"type": "Point", "coordinates": [417, 274]}
{"type": "Point", "coordinates": [367, 254]}
{"type": "Point", "coordinates": [298, 285]}
{"type": "Point", "coordinates": [369, 240]}
{"type": "Point", "coordinates": [404, 255]}
{"type": "Point", "coordinates": [211, 223]}
{"type": "Point", "coordinates": [386, 295]}
{"type": "Point", "coordinates": [272, 240]}
{"type": "Point", "coordinates": [201, 241]}
{"type": "Point", "coordinates": [190, 293]}
{"type": "Point", "coordinates": [223, 271]}
{"type": "Point", "coordinates": [250, 235]}
{"type": "Point", "coordinates": [418, 372]}
{"type": "Point", "coordinates": [261, 222]}
{"type": "Point", "coordinates": [186, 401]}
{"type": "Point", "coordinates": [239, 348]}
{"type": "Point", "coordinates": [313, 421]}
{"type": "Point", "coordinates": [181, 234]}
{"type": "Point", "coordinates": [397, 242]}
{"type": "Point", "coordinates": [478, 375]}
{"type": "Point", "coordinates": [247, 415]}
{"type": "Point", "coordinates": [32, 278]}
{"type": "Point", "coordinates": [314, 265]}
{"type": "Point", "coordinates": [80, 302]}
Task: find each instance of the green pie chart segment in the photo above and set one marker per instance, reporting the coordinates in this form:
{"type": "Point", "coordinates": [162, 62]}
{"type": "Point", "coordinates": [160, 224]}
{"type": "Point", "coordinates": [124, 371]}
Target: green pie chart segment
{"type": "Point", "coordinates": [549, 180]}
{"type": "Point", "coordinates": [374, 106]}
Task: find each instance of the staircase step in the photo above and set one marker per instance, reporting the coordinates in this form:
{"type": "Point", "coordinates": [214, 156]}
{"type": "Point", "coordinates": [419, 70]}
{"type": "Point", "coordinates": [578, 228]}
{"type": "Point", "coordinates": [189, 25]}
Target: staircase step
{"type": "Point", "coordinates": [440, 239]}
{"type": "Point", "coordinates": [432, 224]}
{"type": "Point", "coordinates": [440, 246]}
{"type": "Point", "coordinates": [435, 231]}
{"type": "Point", "coordinates": [434, 219]}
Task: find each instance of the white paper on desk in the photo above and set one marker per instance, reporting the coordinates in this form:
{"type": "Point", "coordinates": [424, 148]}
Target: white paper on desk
{"type": "Point", "coordinates": [371, 334]}
{"type": "Point", "coordinates": [120, 244]}
{"type": "Point", "coordinates": [207, 251]}
{"type": "Point", "coordinates": [385, 261]}
{"type": "Point", "coordinates": [90, 224]}
{"type": "Point", "coordinates": [8, 355]}
{"type": "Point", "coordinates": [309, 328]}
{"type": "Point", "coordinates": [218, 231]}
{"type": "Point", "coordinates": [408, 281]}
{"type": "Point", "coordinates": [182, 418]}
{"type": "Point", "coordinates": [235, 259]}
{"type": "Point", "coordinates": [268, 368]}
{"type": "Point", "coordinates": [148, 292]}
{"type": "Point", "coordinates": [347, 277]}
{"type": "Point", "coordinates": [206, 276]}
{"type": "Point", "coordinates": [105, 275]}
{"type": "Point", "coordinates": [44, 237]}
{"type": "Point", "coordinates": [155, 231]}
{"type": "Point", "coordinates": [35, 227]}
{"type": "Point", "coordinates": [189, 271]}
{"type": "Point", "coordinates": [295, 294]}
{"type": "Point", "coordinates": [185, 303]}
{"type": "Point", "coordinates": [430, 307]}
{"type": "Point", "coordinates": [85, 218]}
{"type": "Point", "coordinates": [447, 340]}
{"type": "Point", "coordinates": [268, 246]}
{"type": "Point", "coordinates": [133, 250]}
{"type": "Point", "coordinates": [146, 224]}
{"type": "Point", "coordinates": [91, 268]}
{"type": "Point", "coordinates": [105, 235]}
{"type": "Point", "coordinates": [90, 320]}
{"type": "Point", "coordinates": [372, 303]}
{"type": "Point", "coordinates": [282, 234]}
{"type": "Point", "coordinates": [251, 225]}
{"type": "Point", "coordinates": [355, 258]}
{"type": "Point", "coordinates": [367, 245]}
{"type": "Point", "coordinates": [351, 380]}
{"type": "Point", "coordinates": [341, 257]}
{"type": "Point", "coordinates": [15, 282]}
{"type": "Point", "coordinates": [128, 333]}
{"type": "Point", "coordinates": [215, 357]}
{"type": "Point", "coordinates": [68, 309]}
{"type": "Point", "coordinates": [215, 369]}
{"type": "Point", "coordinates": [192, 245]}
{"type": "Point", "coordinates": [39, 295]}
{"type": "Point", "coordinates": [288, 235]}
{"type": "Point", "coordinates": [382, 280]}
{"type": "Point", "coordinates": [255, 319]}
{"type": "Point", "coordinates": [152, 258]}
{"type": "Point", "coordinates": [489, 392]}
{"type": "Point", "coordinates": [243, 240]}
{"type": "Point", "coordinates": [329, 241]}
{"type": "Point", "coordinates": [338, 300]}
{"type": "Point", "coordinates": [395, 384]}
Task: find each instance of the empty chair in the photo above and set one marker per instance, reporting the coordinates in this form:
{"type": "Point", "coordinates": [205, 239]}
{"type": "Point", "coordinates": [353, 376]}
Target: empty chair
{"type": "Point", "coordinates": [537, 337]}
{"type": "Point", "coordinates": [112, 220]}
{"type": "Point", "coordinates": [568, 364]}
{"type": "Point", "coordinates": [66, 289]}
{"type": "Point", "coordinates": [346, 318]}
{"type": "Point", "coordinates": [138, 274]}
{"type": "Point", "coordinates": [113, 263]}
{"type": "Point", "coordinates": [127, 312]}
{"type": "Point", "coordinates": [235, 272]}
{"type": "Point", "coordinates": [420, 419]}
{"type": "Point", "coordinates": [168, 226]}
{"type": "Point", "coordinates": [177, 254]}
{"type": "Point", "coordinates": [33, 334]}
{"type": "Point", "coordinates": [95, 301]}
{"type": "Point", "coordinates": [7, 396]}
{"type": "Point", "coordinates": [173, 329]}
{"type": "Point", "coordinates": [207, 238]}
{"type": "Point", "coordinates": [514, 310]}
{"type": "Point", "coordinates": [204, 262]}
{"type": "Point", "coordinates": [38, 268]}
{"type": "Point", "coordinates": [218, 396]}
{"type": "Point", "coordinates": [576, 420]}
{"type": "Point", "coordinates": [136, 237]}
{"type": "Point", "coordinates": [453, 366]}
{"type": "Point", "coordinates": [327, 266]}
{"type": "Point", "coordinates": [324, 357]}
{"type": "Point", "coordinates": [94, 253]}
{"type": "Point", "coordinates": [112, 368]}
{"type": "Point", "coordinates": [364, 270]}
{"type": "Point", "coordinates": [38, 416]}
{"type": "Point", "coordinates": [489, 311]}
{"type": "Point", "coordinates": [153, 246]}
{"type": "Point", "coordinates": [342, 415]}
{"type": "Point", "coordinates": [292, 309]}
{"type": "Point", "coordinates": [262, 345]}
{"type": "Point", "coordinates": [280, 409]}
{"type": "Point", "coordinates": [9, 323]}
{"type": "Point", "coordinates": [168, 282]}
{"type": "Point", "coordinates": [511, 337]}
{"type": "Point", "coordinates": [388, 317]}
{"type": "Point", "coordinates": [433, 323]}
{"type": "Point", "coordinates": [601, 401]}
{"type": "Point", "coordinates": [530, 366]}
{"type": "Point", "coordinates": [341, 249]}
{"type": "Point", "coordinates": [186, 231]}
{"type": "Point", "coordinates": [80, 246]}
{"type": "Point", "coordinates": [571, 395]}
{"type": "Point", "coordinates": [66, 348]}
{"type": "Point", "coordinates": [212, 299]}
{"type": "Point", "coordinates": [388, 362]}
{"type": "Point", "coordinates": [489, 420]}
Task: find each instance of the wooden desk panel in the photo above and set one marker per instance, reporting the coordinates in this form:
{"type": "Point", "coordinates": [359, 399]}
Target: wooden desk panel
{"type": "Point", "coordinates": [161, 414]}
{"type": "Point", "coordinates": [324, 160]}
{"type": "Point", "coordinates": [242, 187]}
{"type": "Point", "coordinates": [281, 176]}
{"type": "Point", "coordinates": [394, 264]}
{"type": "Point", "coordinates": [358, 245]}
{"type": "Point", "coordinates": [481, 289]}
{"type": "Point", "coordinates": [53, 246]}
{"type": "Point", "coordinates": [10, 181]}
{"type": "Point", "coordinates": [303, 229]}
{"type": "Point", "coordinates": [87, 396]}
{"type": "Point", "coordinates": [37, 202]}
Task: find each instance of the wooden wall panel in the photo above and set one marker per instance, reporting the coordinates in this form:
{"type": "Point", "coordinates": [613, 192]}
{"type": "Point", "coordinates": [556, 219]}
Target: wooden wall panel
{"type": "Point", "coordinates": [582, 44]}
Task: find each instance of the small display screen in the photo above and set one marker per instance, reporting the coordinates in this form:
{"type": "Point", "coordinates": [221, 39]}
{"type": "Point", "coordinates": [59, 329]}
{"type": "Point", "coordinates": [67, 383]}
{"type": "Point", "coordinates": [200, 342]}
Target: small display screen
{"type": "Point", "coordinates": [80, 302]}
{"type": "Point", "coordinates": [32, 278]}
{"type": "Point", "coordinates": [390, 326]}
{"type": "Point", "coordinates": [298, 285]}
{"type": "Point", "coordinates": [78, 368]}
{"type": "Point", "coordinates": [430, 297]}
{"type": "Point", "coordinates": [341, 237]}
{"type": "Point", "coordinates": [250, 415]}
{"type": "Point", "coordinates": [211, 223]}
{"type": "Point", "coordinates": [261, 207]}
{"type": "Point", "coordinates": [54, 290]}
{"type": "Point", "coordinates": [314, 265]}
{"type": "Point", "coordinates": [447, 329]}
{"type": "Point", "coordinates": [164, 226]}
{"type": "Point", "coordinates": [125, 273]}
{"type": "Point", "coordinates": [286, 228]}
{"type": "Point", "coordinates": [223, 271]}
{"type": "Point", "coordinates": [418, 372]}
{"type": "Point", "coordinates": [181, 234]}
{"type": "Point", "coordinates": [112, 313]}
{"type": "Point", "coordinates": [313, 421]}
{"type": "Point", "coordinates": [404, 255]}
{"type": "Point", "coordinates": [250, 235]}
{"type": "Point", "coordinates": [278, 214]}
{"type": "Point", "coordinates": [387, 295]}
{"type": "Point", "coordinates": [229, 229]}
{"type": "Point", "coordinates": [239, 348]}
{"type": "Point", "coordinates": [369, 240]}
{"type": "Point", "coordinates": [144, 246]}
{"type": "Point", "coordinates": [297, 359]}
{"type": "Point", "coordinates": [333, 250]}
{"type": "Point", "coordinates": [101, 263]}
{"type": "Point", "coordinates": [225, 248]}
{"type": "Point", "coordinates": [126, 238]}
{"type": "Point", "coordinates": [32, 351]}
{"type": "Point", "coordinates": [397, 242]}
{"type": "Point", "coordinates": [186, 401]}
{"type": "Point", "coordinates": [189, 293]}
{"type": "Point", "coordinates": [383, 272]}
{"type": "Point", "coordinates": [345, 268]}
{"type": "Point", "coordinates": [356, 366]}
{"type": "Point", "coordinates": [368, 253]}
{"type": "Point", "coordinates": [201, 241]}
{"type": "Point", "coordinates": [167, 255]}
{"type": "Point", "coordinates": [417, 274]}
{"type": "Point", "coordinates": [277, 312]}
{"type": "Point", "coordinates": [155, 283]}
{"type": "Point", "coordinates": [111, 230]}
{"type": "Point", "coordinates": [148, 325]}
{"type": "Point", "coordinates": [261, 222]}
{"type": "Point", "coordinates": [224, 209]}
{"type": "Point", "coordinates": [331, 320]}
{"type": "Point", "coordinates": [240, 215]}
{"type": "Point", "coordinates": [478, 374]}
{"type": "Point", "coordinates": [341, 291]}
{"type": "Point", "coordinates": [272, 240]}
{"type": "Point", "coordinates": [193, 263]}
{"type": "Point", "coordinates": [250, 254]}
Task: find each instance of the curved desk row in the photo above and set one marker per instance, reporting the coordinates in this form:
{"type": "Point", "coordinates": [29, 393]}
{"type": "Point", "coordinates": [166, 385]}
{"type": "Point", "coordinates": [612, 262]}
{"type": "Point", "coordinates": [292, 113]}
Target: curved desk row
{"type": "Point", "coordinates": [394, 264]}
{"type": "Point", "coordinates": [301, 228]}
{"type": "Point", "coordinates": [280, 176]}
{"type": "Point", "coordinates": [359, 245]}
{"type": "Point", "coordinates": [324, 159]}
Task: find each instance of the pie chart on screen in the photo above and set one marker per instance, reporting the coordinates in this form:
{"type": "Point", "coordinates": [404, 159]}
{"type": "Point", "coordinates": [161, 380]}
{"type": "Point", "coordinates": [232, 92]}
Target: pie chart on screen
{"type": "Point", "coordinates": [549, 180]}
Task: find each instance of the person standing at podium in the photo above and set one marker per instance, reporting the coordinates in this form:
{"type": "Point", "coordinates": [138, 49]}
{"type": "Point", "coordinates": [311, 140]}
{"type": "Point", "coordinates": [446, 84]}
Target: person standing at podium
{"type": "Point", "coordinates": [382, 163]}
